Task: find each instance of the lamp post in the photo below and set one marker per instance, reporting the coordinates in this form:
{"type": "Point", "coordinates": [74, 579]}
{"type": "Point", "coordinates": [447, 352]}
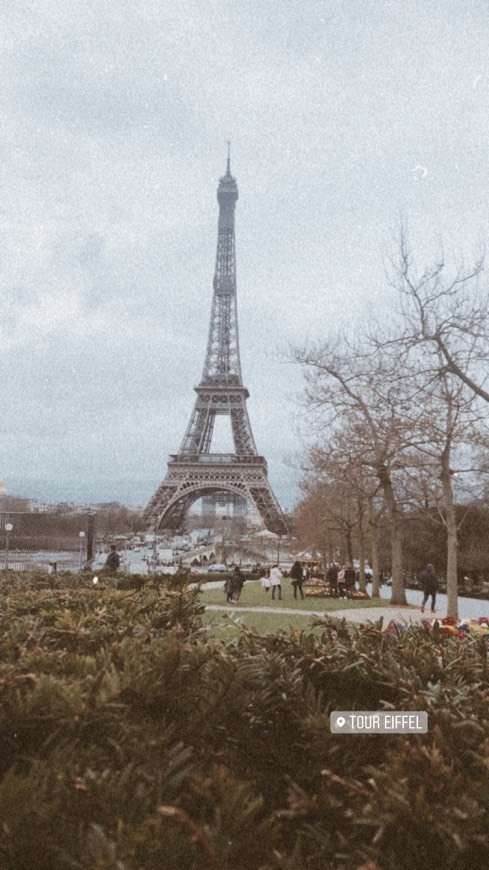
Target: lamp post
{"type": "Point", "coordinates": [81, 536]}
{"type": "Point", "coordinates": [8, 529]}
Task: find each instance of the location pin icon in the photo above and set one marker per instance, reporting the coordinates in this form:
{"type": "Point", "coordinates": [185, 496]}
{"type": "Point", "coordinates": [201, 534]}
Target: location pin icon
{"type": "Point", "coordinates": [340, 721]}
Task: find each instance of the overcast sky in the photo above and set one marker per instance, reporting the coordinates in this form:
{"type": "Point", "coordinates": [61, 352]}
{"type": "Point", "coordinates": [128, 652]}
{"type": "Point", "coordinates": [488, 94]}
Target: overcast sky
{"type": "Point", "coordinates": [343, 115]}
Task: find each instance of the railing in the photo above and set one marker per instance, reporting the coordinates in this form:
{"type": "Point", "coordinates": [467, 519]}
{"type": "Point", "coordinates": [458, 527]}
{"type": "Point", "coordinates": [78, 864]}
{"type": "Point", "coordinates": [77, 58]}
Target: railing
{"type": "Point", "coordinates": [42, 560]}
{"type": "Point", "coordinates": [213, 458]}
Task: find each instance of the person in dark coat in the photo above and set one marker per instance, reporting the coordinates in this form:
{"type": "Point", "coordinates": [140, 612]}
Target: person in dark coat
{"type": "Point", "coordinates": [350, 578]}
{"type": "Point", "coordinates": [237, 582]}
{"type": "Point", "coordinates": [297, 576]}
{"type": "Point", "coordinates": [427, 578]}
{"type": "Point", "coordinates": [227, 588]}
{"type": "Point", "coordinates": [113, 560]}
{"type": "Point", "coordinates": [332, 578]}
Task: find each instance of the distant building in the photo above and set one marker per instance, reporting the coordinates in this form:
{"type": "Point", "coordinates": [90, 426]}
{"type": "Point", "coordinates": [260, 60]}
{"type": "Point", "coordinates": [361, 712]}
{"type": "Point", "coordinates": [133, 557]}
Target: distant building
{"type": "Point", "coordinates": [39, 506]}
{"type": "Point", "coordinates": [35, 506]}
{"type": "Point", "coordinates": [229, 506]}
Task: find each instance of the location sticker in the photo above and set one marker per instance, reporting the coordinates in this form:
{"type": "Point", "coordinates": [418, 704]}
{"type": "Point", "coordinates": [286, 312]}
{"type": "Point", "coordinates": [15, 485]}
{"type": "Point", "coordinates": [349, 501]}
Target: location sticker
{"type": "Point", "coordinates": [379, 722]}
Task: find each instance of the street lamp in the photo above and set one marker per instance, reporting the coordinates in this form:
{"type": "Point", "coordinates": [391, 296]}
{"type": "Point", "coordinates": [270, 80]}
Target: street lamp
{"type": "Point", "coordinates": [8, 529]}
{"type": "Point", "coordinates": [81, 536]}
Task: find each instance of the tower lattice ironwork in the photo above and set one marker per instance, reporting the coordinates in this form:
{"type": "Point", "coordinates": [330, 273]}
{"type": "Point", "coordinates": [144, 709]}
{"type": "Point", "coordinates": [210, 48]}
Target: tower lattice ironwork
{"type": "Point", "coordinates": [195, 471]}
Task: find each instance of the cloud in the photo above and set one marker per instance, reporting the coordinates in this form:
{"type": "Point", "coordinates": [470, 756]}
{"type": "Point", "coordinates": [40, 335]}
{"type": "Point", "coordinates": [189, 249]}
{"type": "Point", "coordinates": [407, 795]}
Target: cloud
{"type": "Point", "coordinates": [114, 123]}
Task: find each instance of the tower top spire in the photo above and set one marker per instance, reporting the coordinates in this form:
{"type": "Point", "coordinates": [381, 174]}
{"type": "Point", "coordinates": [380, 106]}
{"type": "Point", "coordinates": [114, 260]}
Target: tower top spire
{"type": "Point", "coordinates": [228, 189]}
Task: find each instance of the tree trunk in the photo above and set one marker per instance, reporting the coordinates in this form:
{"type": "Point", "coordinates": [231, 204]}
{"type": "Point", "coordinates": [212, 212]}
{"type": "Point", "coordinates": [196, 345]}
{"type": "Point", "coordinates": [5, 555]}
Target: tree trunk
{"type": "Point", "coordinates": [361, 547]}
{"type": "Point", "coordinates": [349, 546]}
{"type": "Point", "coordinates": [452, 542]}
{"type": "Point", "coordinates": [374, 547]}
{"type": "Point", "coordinates": [375, 562]}
{"type": "Point", "coordinates": [361, 556]}
{"type": "Point", "coordinates": [398, 592]}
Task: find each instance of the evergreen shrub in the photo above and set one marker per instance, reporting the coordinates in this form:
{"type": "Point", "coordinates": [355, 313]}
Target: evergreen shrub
{"type": "Point", "coordinates": [132, 740]}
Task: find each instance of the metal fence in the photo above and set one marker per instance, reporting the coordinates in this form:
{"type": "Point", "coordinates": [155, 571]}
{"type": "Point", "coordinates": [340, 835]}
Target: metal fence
{"type": "Point", "coordinates": [25, 560]}
{"type": "Point", "coordinates": [30, 541]}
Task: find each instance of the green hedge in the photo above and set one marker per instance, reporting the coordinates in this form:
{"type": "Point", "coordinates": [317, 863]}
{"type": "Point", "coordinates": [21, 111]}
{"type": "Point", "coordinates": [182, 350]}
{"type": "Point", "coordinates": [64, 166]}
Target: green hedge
{"type": "Point", "coordinates": [132, 740]}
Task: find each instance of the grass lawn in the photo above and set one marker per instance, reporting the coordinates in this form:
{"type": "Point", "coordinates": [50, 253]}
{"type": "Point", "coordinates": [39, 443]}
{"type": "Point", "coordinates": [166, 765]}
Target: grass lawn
{"type": "Point", "coordinates": [254, 596]}
{"type": "Point", "coordinates": [224, 625]}
{"type": "Point", "coordinates": [228, 622]}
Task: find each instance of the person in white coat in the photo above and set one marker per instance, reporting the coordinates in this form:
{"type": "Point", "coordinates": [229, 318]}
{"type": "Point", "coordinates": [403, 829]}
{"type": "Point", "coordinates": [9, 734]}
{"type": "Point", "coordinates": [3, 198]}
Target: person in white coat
{"type": "Point", "coordinates": [276, 581]}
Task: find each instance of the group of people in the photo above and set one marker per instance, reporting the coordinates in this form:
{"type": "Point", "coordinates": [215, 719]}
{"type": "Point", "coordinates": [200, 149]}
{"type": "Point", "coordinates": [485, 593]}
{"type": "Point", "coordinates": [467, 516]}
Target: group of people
{"type": "Point", "coordinates": [272, 579]}
{"type": "Point", "coordinates": [341, 580]}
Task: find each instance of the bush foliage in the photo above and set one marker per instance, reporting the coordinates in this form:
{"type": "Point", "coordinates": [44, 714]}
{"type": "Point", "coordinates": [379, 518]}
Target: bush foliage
{"type": "Point", "coordinates": [132, 740]}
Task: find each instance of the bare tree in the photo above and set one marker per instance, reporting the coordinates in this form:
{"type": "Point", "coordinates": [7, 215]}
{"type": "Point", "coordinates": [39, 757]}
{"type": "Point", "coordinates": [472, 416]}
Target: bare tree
{"type": "Point", "coordinates": [406, 396]}
{"type": "Point", "coordinates": [441, 342]}
{"type": "Point", "coordinates": [324, 520]}
{"type": "Point", "coordinates": [448, 314]}
{"type": "Point", "coordinates": [359, 397]}
{"type": "Point", "coordinates": [352, 503]}
{"type": "Point", "coordinates": [448, 434]}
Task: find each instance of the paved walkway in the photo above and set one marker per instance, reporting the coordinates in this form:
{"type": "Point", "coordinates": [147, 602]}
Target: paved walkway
{"type": "Point", "coordinates": [359, 614]}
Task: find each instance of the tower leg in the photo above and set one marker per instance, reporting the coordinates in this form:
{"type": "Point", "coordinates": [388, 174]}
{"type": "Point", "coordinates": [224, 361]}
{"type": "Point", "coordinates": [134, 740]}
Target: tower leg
{"type": "Point", "coordinates": [187, 481]}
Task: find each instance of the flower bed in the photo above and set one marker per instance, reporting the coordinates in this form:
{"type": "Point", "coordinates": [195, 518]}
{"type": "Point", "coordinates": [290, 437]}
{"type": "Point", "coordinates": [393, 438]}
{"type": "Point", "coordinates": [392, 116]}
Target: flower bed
{"type": "Point", "coordinates": [316, 588]}
{"type": "Point", "coordinates": [468, 628]}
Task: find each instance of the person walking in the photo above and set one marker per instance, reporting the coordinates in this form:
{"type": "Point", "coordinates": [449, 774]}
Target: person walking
{"type": "Point", "coordinates": [276, 581]}
{"type": "Point", "coordinates": [228, 588]}
{"type": "Point", "coordinates": [427, 578]}
{"type": "Point", "coordinates": [237, 582]}
{"type": "Point", "coordinates": [297, 575]}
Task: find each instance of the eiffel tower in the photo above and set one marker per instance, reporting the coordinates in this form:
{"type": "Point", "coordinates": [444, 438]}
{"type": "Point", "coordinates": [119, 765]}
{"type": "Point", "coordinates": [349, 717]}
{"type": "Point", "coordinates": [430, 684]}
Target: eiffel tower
{"type": "Point", "coordinates": [195, 471]}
